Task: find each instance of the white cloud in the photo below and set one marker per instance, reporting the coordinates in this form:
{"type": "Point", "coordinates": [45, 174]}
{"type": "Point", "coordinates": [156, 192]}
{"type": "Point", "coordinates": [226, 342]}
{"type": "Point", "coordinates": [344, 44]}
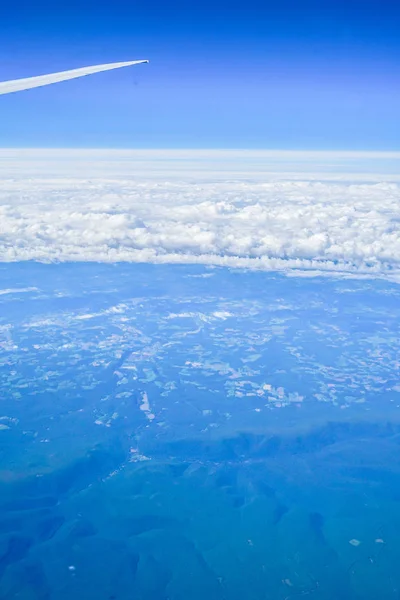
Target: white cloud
{"type": "Point", "coordinates": [133, 212]}
{"type": "Point", "coordinates": [17, 290]}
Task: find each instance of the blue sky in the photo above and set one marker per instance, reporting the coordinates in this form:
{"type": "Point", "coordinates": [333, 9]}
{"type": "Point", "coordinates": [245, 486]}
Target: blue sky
{"type": "Point", "coordinates": [289, 74]}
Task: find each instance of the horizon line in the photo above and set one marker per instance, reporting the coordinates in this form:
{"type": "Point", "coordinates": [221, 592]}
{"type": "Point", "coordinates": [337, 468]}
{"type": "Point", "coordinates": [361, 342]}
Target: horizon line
{"type": "Point", "coordinates": [244, 150]}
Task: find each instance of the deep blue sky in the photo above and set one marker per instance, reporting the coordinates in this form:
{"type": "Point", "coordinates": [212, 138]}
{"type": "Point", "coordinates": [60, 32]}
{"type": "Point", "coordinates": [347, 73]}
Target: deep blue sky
{"type": "Point", "coordinates": [283, 74]}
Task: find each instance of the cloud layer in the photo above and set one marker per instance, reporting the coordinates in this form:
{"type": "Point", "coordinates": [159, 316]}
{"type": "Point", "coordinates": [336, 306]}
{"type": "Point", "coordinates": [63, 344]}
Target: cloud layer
{"type": "Point", "coordinates": [267, 223]}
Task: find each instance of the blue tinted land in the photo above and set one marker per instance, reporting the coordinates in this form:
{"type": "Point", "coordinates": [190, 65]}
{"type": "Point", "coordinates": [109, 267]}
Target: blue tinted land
{"type": "Point", "coordinates": [174, 432]}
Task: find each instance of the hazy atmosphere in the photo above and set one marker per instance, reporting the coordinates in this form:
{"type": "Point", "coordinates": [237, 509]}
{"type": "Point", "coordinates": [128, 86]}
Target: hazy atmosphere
{"type": "Point", "coordinates": [200, 301]}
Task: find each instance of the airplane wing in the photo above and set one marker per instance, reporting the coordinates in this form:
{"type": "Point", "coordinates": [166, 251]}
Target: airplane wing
{"type": "Point", "coordinates": [18, 85]}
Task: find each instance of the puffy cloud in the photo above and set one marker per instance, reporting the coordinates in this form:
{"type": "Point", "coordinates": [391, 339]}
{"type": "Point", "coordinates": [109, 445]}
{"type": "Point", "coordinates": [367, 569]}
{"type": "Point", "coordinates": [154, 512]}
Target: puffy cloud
{"type": "Point", "coordinates": [263, 222]}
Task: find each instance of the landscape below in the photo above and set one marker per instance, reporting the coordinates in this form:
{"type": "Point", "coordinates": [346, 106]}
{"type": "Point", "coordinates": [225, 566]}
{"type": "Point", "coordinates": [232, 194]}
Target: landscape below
{"type": "Point", "coordinates": [175, 431]}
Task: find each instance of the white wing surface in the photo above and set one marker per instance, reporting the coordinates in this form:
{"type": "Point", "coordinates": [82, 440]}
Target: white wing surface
{"type": "Point", "coordinates": [18, 85]}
